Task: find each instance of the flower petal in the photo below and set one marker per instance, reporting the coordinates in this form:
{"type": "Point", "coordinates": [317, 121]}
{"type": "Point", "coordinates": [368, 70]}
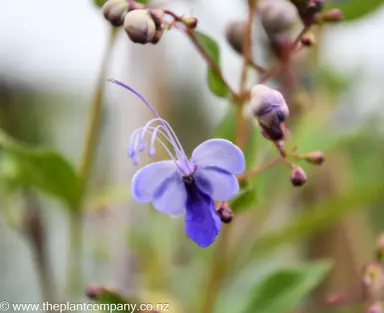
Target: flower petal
{"type": "Point", "coordinates": [149, 178]}
{"type": "Point", "coordinates": [219, 153]}
{"type": "Point", "coordinates": [171, 196]}
{"type": "Point", "coordinates": [202, 223]}
{"type": "Point", "coordinates": [219, 184]}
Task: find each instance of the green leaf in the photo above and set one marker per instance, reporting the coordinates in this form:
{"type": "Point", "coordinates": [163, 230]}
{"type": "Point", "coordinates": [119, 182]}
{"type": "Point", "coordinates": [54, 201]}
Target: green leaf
{"type": "Point", "coordinates": [99, 3]}
{"type": "Point", "coordinates": [322, 215]}
{"type": "Point", "coordinates": [354, 9]}
{"type": "Point", "coordinates": [110, 300]}
{"type": "Point", "coordinates": [284, 289]}
{"type": "Point", "coordinates": [244, 200]}
{"type": "Point", "coordinates": [215, 84]}
{"type": "Point", "coordinates": [44, 169]}
{"type": "Point", "coordinates": [333, 81]}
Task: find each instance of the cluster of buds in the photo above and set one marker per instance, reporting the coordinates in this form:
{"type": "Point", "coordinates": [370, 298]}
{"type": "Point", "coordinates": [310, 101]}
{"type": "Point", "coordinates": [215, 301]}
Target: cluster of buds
{"type": "Point", "coordinates": [115, 11]}
{"type": "Point", "coordinates": [142, 25]}
{"type": "Point", "coordinates": [277, 17]}
{"type": "Point", "coordinates": [310, 12]}
{"type": "Point", "coordinates": [271, 111]}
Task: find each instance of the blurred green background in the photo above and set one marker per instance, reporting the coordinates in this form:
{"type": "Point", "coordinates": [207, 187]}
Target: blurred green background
{"type": "Point", "coordinates": [283, 241]}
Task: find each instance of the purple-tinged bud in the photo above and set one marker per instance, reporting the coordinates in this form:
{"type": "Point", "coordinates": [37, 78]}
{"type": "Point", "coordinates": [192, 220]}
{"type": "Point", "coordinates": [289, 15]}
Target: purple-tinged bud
{"type": "Point", "coordinates": [115, 11]}
{"type": "Point", "coordinates": [315, 6]}
{"type": "Point", "coordinates": [315, 157]}
{"type": "Point", "coordinates": [308, 9]}
{"type": "Point", "coordinates": [380, 247]}
{"type": "Point", "coordinates": [157, 16]}
{"type": "Point", "coordinates": [139, 26]}
{"type": "Point", "coordinates": [269, 108]}
{"type": "Point", "coordinates": [94, 291]}
{"type": "Point", "coordinates": [298, 176]}
{"type": "Point", "coordinates": [158, 35]}
{"type": "Point", "coordinates": [375, 308]}
{"type": "Point", "coordinates": [190, 22]}
{"type": "Point", "coordinates": [135, 6]}
{"type": "Point", "coordinates": [334, 15]}
{"type": "Point", "coordinates": [277, 16]}
{"type": "Point", "coordinates": [235, 33]}
{"type": "Point", "coordinates": [225, 213]}
{"type": "Point", "coordinates": [373, 280]}
{"type": "Point", "coordinates": [308, 39]}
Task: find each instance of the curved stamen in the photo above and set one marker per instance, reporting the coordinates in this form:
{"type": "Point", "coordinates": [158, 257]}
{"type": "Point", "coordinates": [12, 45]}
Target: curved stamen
{"type": "Point", "coordinates": [136, 133]}
{"type": "Point", "coordinates": [135, 143]}
{"type": "Point", "coordinates": [152, 151]}
{"type": "Point", "coordinates": [178, 147]}
{"type": "Point", "coordinates": [171, 134]}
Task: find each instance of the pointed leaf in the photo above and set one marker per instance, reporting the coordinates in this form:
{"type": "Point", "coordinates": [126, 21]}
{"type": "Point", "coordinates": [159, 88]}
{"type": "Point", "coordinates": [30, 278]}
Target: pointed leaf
{"type": "Point", "coordinates": [244, 200]}
{"type": "Point", "coordinates": [354, 9]}
{"type": "Point", "coordinates": [44, 169]}
{"type": "Point", "coordinates": [215, 84]}
{"type": "Point", "coordinates": [282, 290]}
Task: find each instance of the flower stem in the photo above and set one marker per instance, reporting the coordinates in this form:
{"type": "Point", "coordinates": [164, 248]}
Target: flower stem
{"type": "Point", "coordinates": [74, 273]}
{"type": "Point", "coordinates": [191, 33]}
{"type": "Point", "coordinates": [247, 59]}
{"type": "Point", "coordinates": [279, 66]}
{"type": "Point", "coordinates": [220, 260]}
{"type": "Point", "coordinates": [257, 169]}
{"type": "Point", "coordinates": [217, 272]}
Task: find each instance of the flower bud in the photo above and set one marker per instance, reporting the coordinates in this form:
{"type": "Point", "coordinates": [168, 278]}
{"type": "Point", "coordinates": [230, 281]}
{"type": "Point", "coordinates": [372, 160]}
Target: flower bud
{"type": "Point", "coordinates": [225, 213]}
{"type": "Point", "coordinates": [94, 291]}
{"type": "Point", "coordinates": [157, 16]}
{"type": "Point", "coordinates": [139, 26]}
{"type": "Point", "coordinates": [375, 308]}
{"type": "Point", "coordinates": [334, 15]}
{"type": "Point", "coordinates": [135, 6]}
{"type": "Point", "coordinates": [277, 16]}
{"type": "Point", "coordinates": [380, 248]}
{"type": "Point", "coordinates": [235, 34]}
{"type": "Point", "coordinates": [308, 9]}
{"type": "Point", "coordinates": [315, 157]}
{"type": "Point", "coordinates": [158, 35]}
{"type": "Point", "coordinates": [308, 39]}
{"type": "Point", "coordinates": [298, 176]}
{"type": "Point", "coordinates": [115, 11]}
{"type": "Point", "coordinates": [315, 6]}
{"type": "Point", "coordinates": [190, 22]}
{"type": "Point", "coordinates": [269, 108]}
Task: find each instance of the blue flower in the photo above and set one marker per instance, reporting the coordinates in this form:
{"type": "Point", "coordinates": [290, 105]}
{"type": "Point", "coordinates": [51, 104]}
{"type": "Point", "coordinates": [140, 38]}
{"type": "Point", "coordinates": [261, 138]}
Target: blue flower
{"type": "Point", "coordinates": [182, 185]}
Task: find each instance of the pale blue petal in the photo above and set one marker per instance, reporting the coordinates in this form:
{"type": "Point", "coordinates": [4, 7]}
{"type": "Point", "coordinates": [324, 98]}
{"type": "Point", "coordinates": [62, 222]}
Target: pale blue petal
{"type": "Point", "coordinates": [219, 153]}
{"type": "Point", "coordinates": [217, 183]}
{"type": "Point", "coordinates": [149, 178]}
{"type": "Point", "coordinates": [171, 196]}
{"type": "Point", "coordinates": [202, 223]}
